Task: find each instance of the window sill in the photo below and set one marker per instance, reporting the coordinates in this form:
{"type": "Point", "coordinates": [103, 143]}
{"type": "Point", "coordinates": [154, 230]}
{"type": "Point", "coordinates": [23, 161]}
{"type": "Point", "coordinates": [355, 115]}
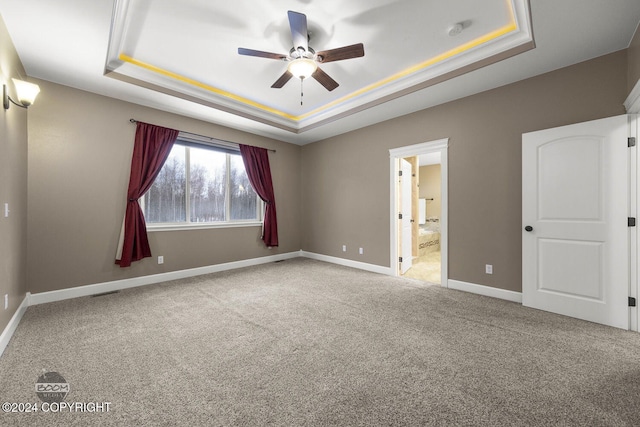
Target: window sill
{"type": "Point", "coordinates": [201, 226]}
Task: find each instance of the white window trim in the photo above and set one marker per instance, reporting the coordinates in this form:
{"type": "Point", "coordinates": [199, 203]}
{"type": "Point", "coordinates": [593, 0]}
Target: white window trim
{"type": "Point", "coordinates": [170, 226]}
{"type": "Point", "coordinates": [176, 226]}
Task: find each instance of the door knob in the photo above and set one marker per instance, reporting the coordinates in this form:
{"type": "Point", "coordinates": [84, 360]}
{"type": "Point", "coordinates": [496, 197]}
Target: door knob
{"type": "Point", "coordinates": [528, 228]}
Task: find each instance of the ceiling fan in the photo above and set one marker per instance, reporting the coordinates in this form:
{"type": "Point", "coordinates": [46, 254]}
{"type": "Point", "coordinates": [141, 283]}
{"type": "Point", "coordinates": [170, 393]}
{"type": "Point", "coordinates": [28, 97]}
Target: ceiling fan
{"type": "Point", "coordinates": [303, 60]}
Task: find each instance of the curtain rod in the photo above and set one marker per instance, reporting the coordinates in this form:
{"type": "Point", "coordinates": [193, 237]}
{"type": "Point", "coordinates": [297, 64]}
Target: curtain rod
{"type": "Point", "coordinates": [203, 136]}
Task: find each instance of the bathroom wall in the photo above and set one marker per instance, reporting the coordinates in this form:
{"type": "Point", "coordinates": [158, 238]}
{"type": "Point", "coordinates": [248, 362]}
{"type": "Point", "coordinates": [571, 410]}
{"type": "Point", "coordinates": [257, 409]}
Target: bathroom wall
{"type": "Point", "coordinates": [430, 184]}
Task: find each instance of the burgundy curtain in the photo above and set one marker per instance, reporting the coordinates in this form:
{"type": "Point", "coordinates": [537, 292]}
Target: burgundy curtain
{"type": "Point", "coordinates": [151, 149]}
{"type": "Point", "coordinates": [256, 162]}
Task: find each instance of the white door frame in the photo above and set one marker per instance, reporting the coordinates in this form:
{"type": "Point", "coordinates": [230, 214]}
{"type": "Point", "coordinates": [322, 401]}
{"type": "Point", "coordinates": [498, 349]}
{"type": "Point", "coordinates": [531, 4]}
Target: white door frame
{"type": "Point", "coordinates": [406, 223]}
{"type": "Point", "coordinates": [634, 188]}
{"type": "Point", "coordinates": [632, 105]}
{"type": "Point", "coordinates": [441, 146]}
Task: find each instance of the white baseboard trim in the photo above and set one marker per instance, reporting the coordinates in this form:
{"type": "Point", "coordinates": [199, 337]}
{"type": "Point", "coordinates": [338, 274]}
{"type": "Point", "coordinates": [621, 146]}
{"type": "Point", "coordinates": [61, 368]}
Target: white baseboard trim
{"type": "Point", "coordinates": [116, 285]}
{"type": "Point", "coordinates": [487, 291]}
{"type": "Point", "coordinates": [348, 263]}
{"type": "Point", "coordinates": [13, 324]}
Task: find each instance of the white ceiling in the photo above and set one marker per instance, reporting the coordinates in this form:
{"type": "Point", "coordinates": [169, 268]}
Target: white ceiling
{"type": "Point", "coordinates": [187, 53]}
{"type": "Point", "coordinates": [429, 159]}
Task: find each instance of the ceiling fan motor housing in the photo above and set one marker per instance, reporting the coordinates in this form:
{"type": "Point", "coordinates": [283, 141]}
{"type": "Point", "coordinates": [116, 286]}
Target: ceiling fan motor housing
{"type": "Point", "coordinates": [302, 53]}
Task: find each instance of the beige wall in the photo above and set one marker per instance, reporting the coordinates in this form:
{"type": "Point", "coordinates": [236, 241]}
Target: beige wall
{"type": "Point", "coordinates": [430, 182]}
{"type": "Point", "coordinates": [79, 156]}
{"type": "Point", "coordinates": [13, 186]}
{"type": "Point", "coordinates": [346, 178]}
{"type": "Point", "coordinates": [634, 61]}
{"type": "Point", "coordinates": [80, 147]}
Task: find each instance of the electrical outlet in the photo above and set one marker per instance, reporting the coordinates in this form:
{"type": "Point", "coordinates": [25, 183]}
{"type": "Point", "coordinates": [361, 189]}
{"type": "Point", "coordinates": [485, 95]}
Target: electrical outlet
{"type": "Point", "coordinates": [360, 251]}
{"type": "Point", "coordinates": [6, 210]}
{"type": "Point", "coordinates": [6, 301]}
{"type": "Point", "coordinates": [344, 248]}
{"type": "Point", "coordinates": [160, 259]}
{"type": "Point", "coordinates": [488, 269]}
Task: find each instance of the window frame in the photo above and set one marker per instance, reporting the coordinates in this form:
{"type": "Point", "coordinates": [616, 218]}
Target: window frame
{"type": "Point", "coordinates": [193, 141]}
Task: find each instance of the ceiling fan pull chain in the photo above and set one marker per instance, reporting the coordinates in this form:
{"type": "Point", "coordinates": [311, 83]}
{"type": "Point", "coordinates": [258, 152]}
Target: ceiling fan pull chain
{"type": "Point", "coordinates": [301, 91]}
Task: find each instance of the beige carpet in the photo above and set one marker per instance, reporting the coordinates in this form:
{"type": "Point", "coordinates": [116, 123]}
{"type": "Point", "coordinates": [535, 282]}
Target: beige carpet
{"type": "Point", "coordinates": [303, 342]}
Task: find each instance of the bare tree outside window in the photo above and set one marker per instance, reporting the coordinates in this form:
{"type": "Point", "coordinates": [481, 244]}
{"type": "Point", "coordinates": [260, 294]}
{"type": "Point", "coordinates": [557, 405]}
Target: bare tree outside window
{"type": "Point", "coordinates": [216, 182]}
{"type": "Point", "coordinates": [243, 198]}
{"type": "Point", "coordinates": [208, 185]}
{"type": "Point", "coordinates": [165, 200]}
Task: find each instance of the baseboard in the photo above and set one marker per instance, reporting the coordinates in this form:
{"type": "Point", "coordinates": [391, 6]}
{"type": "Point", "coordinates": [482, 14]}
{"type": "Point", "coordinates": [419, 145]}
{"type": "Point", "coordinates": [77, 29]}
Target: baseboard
{"type": "Point", "coordinates": [452, 284]}
{"type": "Point", "coordinates": [13, 324]}
{"type": "Point", "coordinates": [116, 285]}
{"type": "Point", "coordinates": [487, 291]}
{"type": "Point", "coordinates": [348, 263]}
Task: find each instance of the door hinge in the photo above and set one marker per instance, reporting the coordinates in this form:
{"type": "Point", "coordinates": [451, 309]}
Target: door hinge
{"type": "Point", "coordinates": [399, 173]}
{"type": "Point", "coordinates": [631, 222]}
{"type": "Point", "coordinates": [632, 302]}
{"type": "Point", "coordinates": [631, 141]}
{"type": "Point", "coordinates": [399, 216]}
{"type": "Point", "coordinates": [400, 259]}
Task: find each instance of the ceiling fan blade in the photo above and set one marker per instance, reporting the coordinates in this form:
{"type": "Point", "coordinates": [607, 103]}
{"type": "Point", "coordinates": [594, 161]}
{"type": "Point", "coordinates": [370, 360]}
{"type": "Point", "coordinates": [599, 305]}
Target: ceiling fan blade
{"type": "Point", "coordinates": [299, 32]}
{"type": "Point", "coordinates": [324, 79]}
{"type": "Point", "coordinates": [282, 80]}
{"type": "Point", "coordinates": [338, 54]}
{"type": "Point", "coordinates": [261, 54]}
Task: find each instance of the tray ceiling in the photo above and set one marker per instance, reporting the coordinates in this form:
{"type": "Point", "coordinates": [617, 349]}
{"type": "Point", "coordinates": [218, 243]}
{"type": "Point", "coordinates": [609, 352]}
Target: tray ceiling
{"type": "Point", "coordinates": [181, 57]}
{"type": "Point", "coordinates": [189, 49]}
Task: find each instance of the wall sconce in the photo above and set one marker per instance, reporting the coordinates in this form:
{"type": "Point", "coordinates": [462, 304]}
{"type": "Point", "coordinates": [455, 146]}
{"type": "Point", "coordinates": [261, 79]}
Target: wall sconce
{"type": "Point", "coordinates": [26, 91]}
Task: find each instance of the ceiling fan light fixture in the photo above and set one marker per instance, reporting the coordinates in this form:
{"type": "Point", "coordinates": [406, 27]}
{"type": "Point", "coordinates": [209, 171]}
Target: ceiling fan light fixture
{"type": "Point", "coordinates": [302, 68]}
{"type": "Point", "coordinates": [302, 59]}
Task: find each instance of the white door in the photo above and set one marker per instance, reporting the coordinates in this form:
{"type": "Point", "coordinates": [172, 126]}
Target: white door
{"type": "Point", "coordinates": [575, 183]}
{"type": "Point", "coordinates": [405, 211]}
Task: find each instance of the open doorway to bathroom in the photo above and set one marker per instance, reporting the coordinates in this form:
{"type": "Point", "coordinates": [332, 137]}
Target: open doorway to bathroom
{"type": "Point", "coordinates": [419, 211]}
{"type": "Point", "coordinates": [426, 262]}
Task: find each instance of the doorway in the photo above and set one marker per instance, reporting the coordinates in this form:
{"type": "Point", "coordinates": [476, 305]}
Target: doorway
{"type": "Point", "coordinates": [427, 258]}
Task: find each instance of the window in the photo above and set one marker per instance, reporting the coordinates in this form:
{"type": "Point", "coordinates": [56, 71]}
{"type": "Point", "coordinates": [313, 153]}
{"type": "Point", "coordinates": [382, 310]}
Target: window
{"type": "Point", "coordinates": [217, 185]}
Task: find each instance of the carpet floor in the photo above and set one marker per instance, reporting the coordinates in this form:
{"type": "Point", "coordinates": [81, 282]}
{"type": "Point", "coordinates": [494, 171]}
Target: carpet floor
{"type": "Point", "coordinates": [303, 342]}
